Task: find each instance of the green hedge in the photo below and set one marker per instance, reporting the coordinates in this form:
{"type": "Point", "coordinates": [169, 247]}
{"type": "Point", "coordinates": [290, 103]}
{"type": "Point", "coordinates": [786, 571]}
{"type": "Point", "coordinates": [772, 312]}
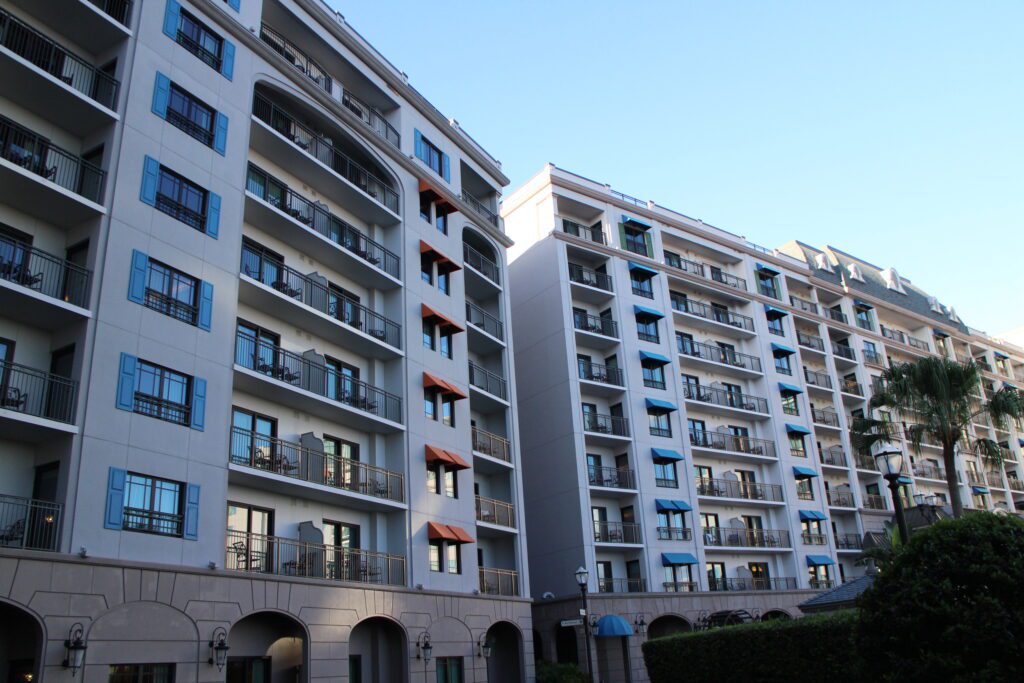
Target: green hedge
{"type": "Point", "coordinates": [550, 672]}
{"type": "Point", "coordinates": [818, 648]}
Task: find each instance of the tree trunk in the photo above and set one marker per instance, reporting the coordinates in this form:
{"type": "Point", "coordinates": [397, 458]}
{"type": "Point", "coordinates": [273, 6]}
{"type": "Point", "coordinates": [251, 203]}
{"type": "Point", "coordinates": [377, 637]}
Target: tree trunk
{"type": "Point", "coordinates": [949, 457]}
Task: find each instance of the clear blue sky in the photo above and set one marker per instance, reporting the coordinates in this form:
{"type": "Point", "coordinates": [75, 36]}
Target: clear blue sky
{"type": "Point", "coordinates": [891, 130]}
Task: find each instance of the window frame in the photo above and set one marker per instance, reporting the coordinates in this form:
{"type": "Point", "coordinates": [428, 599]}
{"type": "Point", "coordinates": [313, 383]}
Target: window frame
{"type": "Point", "coordinates": [154, 488]}
{"type": "Point", "coordinates": [164, 406]}
{"type": "Point", "coordinates": [178, 205]}
{"type": "Point", "coordinates": [195, 43]}
{"type": "Point", "coordinates": [185, 121]}
{"type": "Point", "coordinates": [163, 301]}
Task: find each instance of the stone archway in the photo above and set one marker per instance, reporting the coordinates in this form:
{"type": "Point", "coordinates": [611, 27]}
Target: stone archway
{"type": "Point", "coordinates": [773, 614]}
{"type": "Point", "coordinates": [21, 645]}
{"type": "Point", "coordinates": [505, 665]}
{"type": "Point", "coordinates": [377, 651]}
{"type": "Point", "coordinates": [667, 625]}
{"type": "Point", "coordinates": [267, 647]}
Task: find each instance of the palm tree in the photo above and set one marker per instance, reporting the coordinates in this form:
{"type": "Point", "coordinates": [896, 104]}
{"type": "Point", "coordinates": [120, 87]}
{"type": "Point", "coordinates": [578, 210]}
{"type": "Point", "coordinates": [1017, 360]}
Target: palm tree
{"type": "Point", "coordinates": [937, 399]}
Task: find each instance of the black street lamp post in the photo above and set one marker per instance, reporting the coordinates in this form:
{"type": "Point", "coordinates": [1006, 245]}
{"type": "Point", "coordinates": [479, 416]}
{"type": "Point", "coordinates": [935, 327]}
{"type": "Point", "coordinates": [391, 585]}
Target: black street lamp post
{"type": "Point", "coordinates": [889, 461]}
{"type": "Point", "coordinates": [582, 576]}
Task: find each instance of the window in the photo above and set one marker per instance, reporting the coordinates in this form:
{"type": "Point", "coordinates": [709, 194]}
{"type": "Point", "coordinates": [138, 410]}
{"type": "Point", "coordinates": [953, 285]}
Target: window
{"type": "Point", "coordinates": [775, 326]}
{"type": "Point", "coordinates": [200, 40]}
{"type": "Point", "coordinates": [430, 154]}
{"type": "Point", "coordinates": [647, 328]}
{"type": "Point", "coordinates": [660, 423]}
{"type": "Point", "coordinates": [782, 365]}
{"type": "Point", "coordinates": [153, 505]}
{"type": "Point", "coordinates": [811, 531]}
{"type": "Point", "coordinates": [429, 330]}
{"type": "Point", "coordinates": [162, 393]}
{"type": "Point", "coordinates": [665, 474]}
{"type": "Point", "coordinates": [181, 198]}
{"type": "Point", "coordinates": [434, 555]}
{"type": "Point", "coordinates": [449, 669]}
{"type": "Point", "coordinates": [453, 555]}
{"type": "Point", "coordinates": [654, 375]}
{"type": "Point", "coordinates": [444, 282]}
{"type": "Point", "coordinates": [678, 578]}
{"type": "Point", "coordinates": [141, 673]}
{"type": "Point", "coordinates": [253, 438]}
{"type": "Point", "coordinates": [430, 397]}
{"type": "Point", "coordinates": [796, 446]}
{"type": "Point", "coordinates": [434, 212]}
{"type": "Point", "coordinates": [819, 576]}
{"type": "Point", "coordinates": [172, 292]}
{"type": "Point", "coordinates": [635, 240]}
{"type": "Point", "coordinates": [804, 489]}
{"type": "Point", "coordinates": [444, 340]}
{"type": "Point", "coordinates": [451, 483]}
{"type": "Point", "coordinates": [187, 113]}
{"type": "Point", "coordinates": [448, 411]}
{"type": "Point", "coordinates": [427, 268]}
{"type": "Point", "coordinates": [641, 283]}
{"type": "Point", "coordinates": [790, 405]}
{"type": "Point", "coordinates": [863, 318]}
{"type": "Point", "coordinates": [716, 576]}
{"type": "Point", "coordinates": [767, 285]}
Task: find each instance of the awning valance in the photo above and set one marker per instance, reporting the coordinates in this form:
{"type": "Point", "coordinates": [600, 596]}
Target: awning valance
{"type": "Point", "coordinates": [789, 389]}
{"type": "Point", "coordinates": [812, 516]}
{"type": "Point", "coordinates": [659, 405]}
{"type": "Point", "coordinates": [649, 312]}
{"type": "Point", "coordinates": [819, 560]}
{"type": "Point", "coordinates": [781, 350]}
{"type": "Point", "coordinates": [666, 454]}
{"type": "Point", "coordinates": [999, 355]}
{"type": "Point", "coordinates": [635, 267]}
{"type": "Point", "coordinates": [774, 313]}
{"type": "Point", "coordinates": [429, 313]}
{"type": "Point", "coordinates": [444, 264]}
{"type": "Point", "coordinates": [654, 358]}
{"type": "Point", "coordinates": [765, 269]}
{"type": "Point", "coordinates": [862, 304]}
{"type": "Point", "coordinates": [664, 505]}
{"type": "Point", "coordinates": [612, 626]}
{"type": "Point", "coordinates": [906, 481]}
{"type": "Point", "coordinates": [803, 472]}
{"type": "Point", "coordinates": [631, 220]}
{"type": "Point", "coordinates": [796, 429]}
{"type": "Point", "coordinates": [447, 458]}
{"type": "Point", "coordinates": [448, 532]}
{"type": "Point", "coordinates": [939, 333]}
{"type": "Point", "coordinates": [433, 382]}
{"type": "Point", "coordinates": [979, 489]}
{"type": "Point", "coordinates": [675, 559]}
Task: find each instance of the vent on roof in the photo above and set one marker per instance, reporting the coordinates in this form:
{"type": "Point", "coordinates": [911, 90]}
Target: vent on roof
{"type": "Point", "coordinates": [892, 280]}
{"type": "Point", "coordinates": [821, 261]}
{"type": "Point", "coordinates": [854, 270]}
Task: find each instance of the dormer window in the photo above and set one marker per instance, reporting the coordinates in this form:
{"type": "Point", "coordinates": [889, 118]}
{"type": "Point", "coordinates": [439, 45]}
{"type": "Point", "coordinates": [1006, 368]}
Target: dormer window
{"type": "Point", "coordinates": [892, 280]}
{"type": "Point", "coordinates": [934, 304]}
{"type": "Point", "coordinates": [854, 270]}
{"type": "Point", "coordinates": [822, 263]}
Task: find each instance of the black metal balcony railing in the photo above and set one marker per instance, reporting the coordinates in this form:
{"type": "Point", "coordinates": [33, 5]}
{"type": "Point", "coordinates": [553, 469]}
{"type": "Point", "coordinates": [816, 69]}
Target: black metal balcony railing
{"type": "Point", "coordinates": [319, 297]}
{"type": "Point", "coordinates": [492, 444]}
{"type": "Point", "coordinates": [838, 316]}
{"type": "Point", "coordinates": [731, 488]}
{"type": "Point", "coordinates": [745, 538]}
{"type": "Point", "coordinates": [872, 357]}
{"type": "Point", "coordinates": [617, 532]}
{"type": "Point", "coordinates": [818, 379]}
{"type": "Point", "coordinates": [821, 584]}
{"type": "Point", "coordinates": [37, 393]}
{"type": "Point", "coordinates": [304, 373]}
{"type": "Point", "coordinates": [169, 306]}
{"type": "Point", "coordinates": [596, 324]}
{"type": "Point", "coordinates": [718, 275]}
{"type": "Point", "coordinates": [296, 57]}
{"type": "Point", "coordinates": [844, 351]}
{"type": "Point", "coordinates": [718, 315]}
{"type": "Point", "coordinates": [716, 354]}
{"type": "Point", "coordinates": [592, 233]}
{"type": "Point", "coordinates": [823, 416]}
{"type": "Point", "coordinates": [493, 511]}
{"type": "Point", "coordinates": [723, 441]}
{"type": "Point", "coordinates": [479, 318]}
{"type": "Point", "coordinates": [752, 584]}
{"type": "Point", "coordinates": [849, 541]}
{"type": "Point", "coordinates": [842, 499]}
{"type": "Point", "coordinates": [994, 479]}
{"type": "Point", "coordinates": [685, 265]}
{"type": "Point", "coordinates": [674, 533]}
{"type": "Point", "coordinates": [119, 10]}
{"type": "Point", "coordinates": [29, 523]}
{"type": "Point", "coordinates": [594, 372]}
{"type": "Point", "coordinates": [803, 304]}
{"type": "Point", "coordinates": [874, 501]}
{"type": "Point", "coordinates": [615, 425]}
{"type": "Point", "coordinates": [621, 585]}
{"type": "Point", "coordinates": [480, 208]}
{"type": "Point", "coordinates": [36, 154]}
{"type": "Point", "coordinates": [34, 47]}
{"type": "Point", "coordinates": [153, 522]}
{"type": "Point", "coordinates": [918, 343]}
{"type": "Point", "coordinates": [833, 455]}
{"type": "Point", "coordinates": [611, 477]}
{"type": "Point", "coordinates": [865, 462]}
{"type": "Point", "coordinates": [591, 278]}
{"type": "Point", "coordinates": [498, 581]}
{"type": "Point", "coordinates": [680, 586]}
{"type": "Point", "coordinates": [372, 118]}
{"type": "Point", "coordinates": [488, 381]}
{"type": "Point", "coordinates": [480, 263]}
{"type": "Point", "coordinates": [288, 459]}
{"type": "Point", "coordinates": [895, 335]}
{"type": "Point", "coordinates": [322, 150]}
{"type": "Point", "coordinates": [728, 399]}
{"type": "Point", "coordinates": [317, 217]}
{"type": "Point", "coordinates": [929, 471]}
{"type": "Point", "coordinates": [808, 538]}
{"type": "Point", "coordinates": [810, 341]}
{"type": "Point", "coordinates": [248, 552]}
{"type": "Point", "coordinates": [851, 386]}
{"type": "Point", "coordinates": [44, 273]}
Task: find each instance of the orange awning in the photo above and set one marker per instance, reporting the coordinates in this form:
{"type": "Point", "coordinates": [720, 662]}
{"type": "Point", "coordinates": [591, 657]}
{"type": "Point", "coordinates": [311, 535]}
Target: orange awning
{"type": "Point", "coordinates": [444, 320]}
{"type": "Point", "coordinates": [448, 532]}
{"type": "Point", "coordinates": [435, 195]}
{"type": "Point", "coordinates": [443, 262]}
{"type": "Point", "coordinates": [451, 460]}
{"type": "Point", "coordinates": [432, 381]}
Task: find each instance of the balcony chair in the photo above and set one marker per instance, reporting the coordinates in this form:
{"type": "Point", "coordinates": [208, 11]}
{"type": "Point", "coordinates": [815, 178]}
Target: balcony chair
{"type": "Point", "coordinates": [14, 399]}
{"type": "Point", "coordinates": [286, 289]}
{"type": "Point", "coordinates": [242, 555]}
{"type": "Point", "coordinates": [13, 533]}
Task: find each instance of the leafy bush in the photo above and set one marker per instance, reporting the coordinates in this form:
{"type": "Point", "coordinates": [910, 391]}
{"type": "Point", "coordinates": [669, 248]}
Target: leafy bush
{"type": "Point", "coordinates": [951, 605]}
{"type": "Point", "coordinates": [818, 648]}
{"type": "Point", "coordinates": [550, 672]}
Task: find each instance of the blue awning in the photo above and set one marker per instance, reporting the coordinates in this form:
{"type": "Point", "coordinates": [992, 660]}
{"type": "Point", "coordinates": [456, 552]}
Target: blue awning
{"type": "Point", "coordinates": [789, 389]}
{"type": "Point", "coordinates": [643, 310]}
{"type": "Point", "coordinates": [905, 480]}
{"type": "Point", "coordinates": [635, 221]}
{"type": "Point", "coordinates": [1007, 385]}
{"type": "Point", "coordinates": [1020, 442]}
{"type": "Point", "coordinates": [1000, 356]}
{"type": "Point", "coordinates": [862, 304]}
{"type": "Point", "coordinates": [654, 357]}
{"type": "Point", "coordinates": [658, 404]}
{"type": "Point", "coordinates": [765, 269]}
{"type": "Point", "coordinates": [665, 505]}
{"type": "Point", "coordinates": [803, 472]}
{"type": "Point", "coordinates": [939, 333]}
{"type": "Point", "coordinates": [812, 515]}
{"type": "Point", "coordinates": [613, 626]}
{"type": "Point", "coordinates": [796, 429]}
{"type": "Point", "coordinates": [979, 489]}
{"type": "Point", "coordinates": [781, 350]}
{"type": "Point", "coordinates": [772, 312]}
{"type": "Point", "coordinates": [634, 266]}
{"type": "Point", "coordinates": [673, 559]}
{"type": "Point", "coordinates": [666, 454]}
{"type": "Point", "coordinates": [819, 560]}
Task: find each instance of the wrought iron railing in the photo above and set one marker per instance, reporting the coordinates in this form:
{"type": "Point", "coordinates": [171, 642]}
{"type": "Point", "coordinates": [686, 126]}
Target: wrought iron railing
{"type": "Point", "coordinates": [481, 264]}
{"type": "Point", "coordinates": [874, 501]}
{"type": "Point", "coordinates": [823, 416]}
{"type": "Point", "coordinates": [717, 354]}
{"type": "Point", "coordinates": [44, 273]}
{"type": "Point", "coordinates": [752, 584]}
{"type": "Point", "coordinates": [918, 343]}
{"type": "Point", "coordinates": [480, 208]}
{"type": "Point", "coordinates": [491, 382]}
{"type": "Point", "coordinates": [680, 586]}
{"type": "Point", "coordinates": [153, 521]}
{"type": "Point", "coordinates": [593, 233]}
{"type": "Point", "coordinates": [810, 341]}
{"type": "Point", "coordinates": [37, 393]}
{"type": "Point", "coordinates": [617, 532]}
{"type": "Point", "coordinates": [296, 57]}
{"type": "Point", "coordinates": [615, 425]}
{"type": "Point", "coordinates": [844, 351]}
{"type": "Point", "coordinates": [838, 316]}
{"type": "Point", "coordinates": [929, 471]}
{"type": "Point", "coordinates": [895, 335]}
{"type": "Point", "coordinates": [29, 523]}
{"type": "Point", "coordinates": [611, 477]}
{"type": "Point", "coordinates": [498, 581]}
{"type": "Point", "coordinates": [849, 541]}
{"type": "Point", "coordinates": [803, 304]}
{"type": "Point", "coordinates": [718, 315]}
{"type": "Point", "coordinates": [808, 538]}
{"type": "Point", "coordinates": [732, 488]}
{"type": "Point", "coordinates": [833, 455]}
{"type": "Point", "coordinates": [728, 399]}
{"type": "Point", "coordinates": [372, 118]}
{"type": "Point", "coordinates": [591, 278]}
{"type": "Point", "coordinates": [724, 441]}
{"type": "Point", "coordinates": [818, 379]}
{"type": "Point", "coordinates": [493, 511]}
{"type": "Point", "coordinates": [738, 537]}
{"type": "Point", "coordinates": [36, 154]}
{"type": "Point", "coordinates": [479, 318]}
{"type": "Point", "coordinates": [621, 585]}
{"type": "Point", "coordinates": [674, 533]}
{"type": "Point", "coordinates": [842, 499]}
{"type": "Point", "coordinates": [719, 275]}
{"type": "Point", "coordinates": [492, 444]}
{"type": "Point", "coordinates": [684, 264]}
{"type": "Point", "coordinates": [595, 372]}
{"type": "Point", "coordinates": [872, 357]}
{"type": "Point", "coordinates": [120, 10]}
{"type": "Point", "coordinates": [596, 324]}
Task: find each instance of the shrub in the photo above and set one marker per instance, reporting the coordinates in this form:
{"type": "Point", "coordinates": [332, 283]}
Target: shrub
{"type": "Point", "coordinates": [818, 648]}
{"type": "Point", "coordinates": [951, 605]}
{"type": "Point", "coordinates": [551, 672]}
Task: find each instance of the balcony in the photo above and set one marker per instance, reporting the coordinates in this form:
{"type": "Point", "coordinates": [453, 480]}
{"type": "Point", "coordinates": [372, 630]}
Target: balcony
{"type": "Point", "coordinates": [852, 387]}
{"type": "Point", "coordinates": [498, 581]}
{"type": "Point", "coordinates": [607, 425]}
{"type": "Point", "coordinates": [488, 324]}
{"type": "Point", "coordinates": [817, 379]}
{"type": "Point", "coordinates": [281, 136]}
{"type": "Point", "coordinates": [590, 278]}
{"type": "Point", "coordinates": [803, 304]}
{"type": "Point", "coordinates": [874, 502]}
{"type": "Point", "coordinates": [35, 400]}
{"type": "Point", "coordinates": [260, 554]}
{"type": "Point", "coordinates": [732, 488]}
{"type": "Point", "coordinates": [621, 585]}
{"type": "Point", "coordinates": [739, 363]}
{"type": "Point", "coordinates": [808, 538]}
{"type": "Point", "coordinates": [596, 325]}
{"type": "Point", "coordinates": [734, 400]}
{"type": "Point", "coordinates": [487, 381]}
{"type": "Point", "coordinates": [592, 233]}
{"type": "Point", "coordinates": [683, 264]}
{"type": "Point", "coordinates": [825, 417]}
{"type": "Point", "coordinates": [496, 512]}
{"type": "Point", "coordinates": [617, 532]}
{"type": "Point", "coordinates": [30, 524]}
{"type": "Point", "coordinates": [275, 456]}
{"type": "Point", "coordinates": [492, 445]}
{"type": "Point", "coordinates": [837, 316]}
{"type": "Point", "coordinates": [47, 181]}
{"type": "Point", "coordinates": [296, 57]}
{"type": "Point", "coordinates": [481, 209]}
{"type": "Point", "coordinates": [313, 387]}
{"type": "Point", "coordinates": [94, 25]}
{"type": "Point", "coordinates": [39, 288]}
{"type": "Point", "coordinates": [918, 343]}
{"type": "Point", "coordinates": [729, 537]}
{"type": "Point", "coordinates": [731, 443]}
{"type": "Point", "coordinates": [873, 358]}
{"type": "Point", "coordinates": [892, 334]}
{"type": "Point", "coordinates": [720, 319]}
{"type": "Point", "coordinates": [994, 479]}
{"type": "Point", "coordinates": [844, 352]}
{"type": "Point", "coordinates": [849, 542]}
{"type": "Point", "coordinates": [866, 462]}
{"type": "Point", "coordinates": [314, 230]}
{"type": "Point", "coordinates": [833, 456]}
{"type": "Point", "coordinates": [674, 533]}
{"type": "Point", "coordinates": [752, 584]}
{"type": "Point", "coordinates": [611, 477]}
{"type": "Point", "coordinates": [1015, 484]}
{"type": "Point", "coordinates": [809, 341]}
{"type": "Point", "coordinates": [608, 376]}
{"type": "Point", "coordinates": [680, 586]}
{"type": "Point", "coordinates": [481, 265]}
{"type": "Point", "coordinates": [53, 82]}
{"type": "Point", "coordinates": [821, 584]}
{"type": "Point", "coordinates": [840, 499]}
{"type": "Point", "coordinates": [929, 471]}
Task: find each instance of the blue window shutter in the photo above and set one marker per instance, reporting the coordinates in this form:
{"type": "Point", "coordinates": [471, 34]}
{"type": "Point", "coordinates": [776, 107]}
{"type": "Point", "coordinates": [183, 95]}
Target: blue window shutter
{"type": "Point", "coordinates": [235, 4]}
{"type": "Point", "coordinates": [213, 215]}
{"type": "Point", "coordinates": [126, 382]}
{"type": "Point", "coordinates": [138, 277]}
{"type": "Point", "coordinates": [421, 153]}
{"type": "Point", "coordinates": [198, 403]}
{"type": "Point", "coordinates": [114, 516]}
{"type": "Point", "coordinates": [446, 169]}
{"type": "Point", "coordinates": [192, 512]}
{"type": "Point", "coordinates": [227, 60]}
{"type": "Point", "coordinates": [172, 15]}
{"type": "Point", "coordinates": [150, 180]}
{"type": "Point", "coordinates": [205, 305]}
{"type": "Point", "coordinates": [220, 133]}
{"type": "Point", "coordinates": [161, 95]}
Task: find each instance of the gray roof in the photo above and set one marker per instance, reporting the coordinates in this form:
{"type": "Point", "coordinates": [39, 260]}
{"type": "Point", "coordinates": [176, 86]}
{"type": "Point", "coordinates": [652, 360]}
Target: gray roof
{"type": "Point", "coordinates": [840, 597]}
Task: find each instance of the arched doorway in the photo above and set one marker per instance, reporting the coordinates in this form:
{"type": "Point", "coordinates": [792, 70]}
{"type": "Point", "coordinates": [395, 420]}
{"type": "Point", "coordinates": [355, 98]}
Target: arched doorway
{"type": "Point", "coordinates": [667, 625]}
{"type": "Point", "coordinates": [505, 663]}
{"type": "Point", "coordinates": [565, 645]}
{"type": "Point", "coordinates": [21, 639]}
{"type": "Point", "coordinates": [773, 614]}
{"type": "Point", "coordinates": [377, 652]}
{"type": "Point", "coordinates": [267, 647]}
